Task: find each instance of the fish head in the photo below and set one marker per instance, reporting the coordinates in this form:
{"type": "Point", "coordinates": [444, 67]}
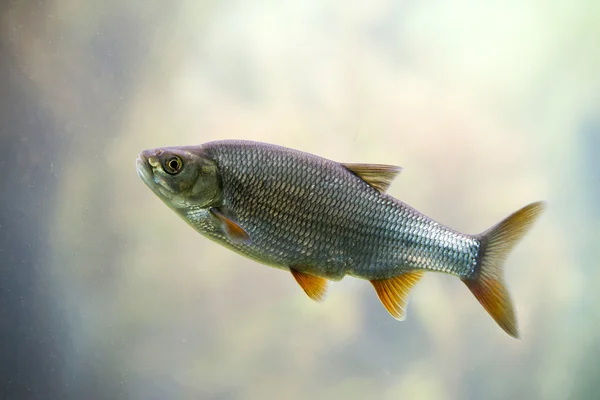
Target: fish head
{"type": "Point", "coordinates": [182, 177]}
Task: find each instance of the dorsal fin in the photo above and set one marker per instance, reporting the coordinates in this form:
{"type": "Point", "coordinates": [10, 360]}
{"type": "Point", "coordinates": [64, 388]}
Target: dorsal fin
{"type": "Point", "coordinates": [380, 176]}
{"type": "Point", "coordinates": [235, 233]}
{"type": "Point", "coordinates": [314, 286]}
{"type": "Point", "coordinates": [393, 292]}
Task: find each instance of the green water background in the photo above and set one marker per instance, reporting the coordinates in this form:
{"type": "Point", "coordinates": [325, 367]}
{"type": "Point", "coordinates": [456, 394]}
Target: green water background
{"type": "Point", "coordinates": [106, 294]}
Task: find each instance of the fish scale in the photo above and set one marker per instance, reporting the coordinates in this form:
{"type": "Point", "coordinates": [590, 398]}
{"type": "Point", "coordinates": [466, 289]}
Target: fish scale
{"type": "Point", "coordinates": [322, 220]}
{"type": "Point", "coordinates": [285, 198]}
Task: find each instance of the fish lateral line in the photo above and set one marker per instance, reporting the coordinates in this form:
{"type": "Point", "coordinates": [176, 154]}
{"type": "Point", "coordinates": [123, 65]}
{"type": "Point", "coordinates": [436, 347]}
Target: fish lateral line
{"type": "Point", "coordinates": [322, 231]}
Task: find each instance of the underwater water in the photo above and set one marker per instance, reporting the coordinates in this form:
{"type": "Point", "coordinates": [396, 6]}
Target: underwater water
{"type": "Point", "coordinates": [106, 294]}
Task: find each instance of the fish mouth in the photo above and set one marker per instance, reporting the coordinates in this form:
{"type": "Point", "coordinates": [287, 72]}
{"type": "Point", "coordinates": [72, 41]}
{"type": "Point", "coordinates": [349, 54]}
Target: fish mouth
{"type": "Point", "coordinates": [144, 170]}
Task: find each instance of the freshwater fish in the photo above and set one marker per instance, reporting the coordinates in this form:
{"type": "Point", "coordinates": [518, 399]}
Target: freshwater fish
{"type": "Point", "coordinates": [322, 220]}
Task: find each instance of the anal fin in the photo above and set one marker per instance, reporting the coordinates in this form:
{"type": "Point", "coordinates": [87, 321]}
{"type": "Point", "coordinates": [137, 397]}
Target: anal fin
{"type": "Point", "coordinates": [393, 292]}
{"type": "Point", "coordinates": [314, 286]}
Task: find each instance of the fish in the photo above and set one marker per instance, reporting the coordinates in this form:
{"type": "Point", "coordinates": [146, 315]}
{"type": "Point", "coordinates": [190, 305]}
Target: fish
{"type": "Point", "coordinates": [322, 220]}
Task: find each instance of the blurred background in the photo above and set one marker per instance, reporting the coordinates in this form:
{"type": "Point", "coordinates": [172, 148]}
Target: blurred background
{"type": "Point", "coordinates": [106, 294]}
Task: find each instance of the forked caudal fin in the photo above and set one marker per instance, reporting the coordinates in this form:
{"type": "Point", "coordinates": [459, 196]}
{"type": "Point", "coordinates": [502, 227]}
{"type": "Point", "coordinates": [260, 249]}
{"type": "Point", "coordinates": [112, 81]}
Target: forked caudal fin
{"type": "Point", "coordinates": [487, 283]}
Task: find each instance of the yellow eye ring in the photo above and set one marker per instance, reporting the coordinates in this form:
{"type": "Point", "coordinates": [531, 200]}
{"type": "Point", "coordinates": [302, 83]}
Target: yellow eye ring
{"type": "Point", "coordinates": [173, 165]}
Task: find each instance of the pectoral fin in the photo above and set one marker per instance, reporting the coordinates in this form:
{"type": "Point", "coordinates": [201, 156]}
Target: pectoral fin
{"type": "Point", "coordinates": [379, 176]}
{"type": "Point", "coordinates": [393, 292]}
{"type": "Point", "coordinates": [314, 286]}
{"type": "Point", "coordinates": [230, 228]}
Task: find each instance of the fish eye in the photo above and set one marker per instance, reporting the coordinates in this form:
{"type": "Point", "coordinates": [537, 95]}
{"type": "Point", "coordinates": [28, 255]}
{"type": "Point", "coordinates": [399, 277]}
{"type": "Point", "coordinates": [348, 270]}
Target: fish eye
{"type": "Point", "coordinates": [173, 165]}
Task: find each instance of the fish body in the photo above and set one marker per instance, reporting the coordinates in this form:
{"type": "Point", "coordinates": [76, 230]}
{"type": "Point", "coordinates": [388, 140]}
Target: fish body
{"type": "Point", "coordinates": [322, 220]}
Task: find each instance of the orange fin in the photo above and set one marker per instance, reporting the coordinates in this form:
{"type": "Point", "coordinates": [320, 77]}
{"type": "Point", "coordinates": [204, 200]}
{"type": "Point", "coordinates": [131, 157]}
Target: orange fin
{"type": "Point", "coordinates": [379, 176]}
{"type": "Point", "coordinates": [494, 297]}
{"type": "Point", "coordinates": [314, 286]}
{"type": "Point", "coordinates": [393, 292]}
{"type": "Point", "coordinates": [487, 284]}
{"type": "Point", "coordinates": [231, 229]}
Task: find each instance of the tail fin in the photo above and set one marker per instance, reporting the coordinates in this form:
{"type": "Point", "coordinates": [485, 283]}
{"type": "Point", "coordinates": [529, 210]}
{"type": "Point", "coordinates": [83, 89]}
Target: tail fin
{"type": "Point", "coordinates": [487, 284]}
